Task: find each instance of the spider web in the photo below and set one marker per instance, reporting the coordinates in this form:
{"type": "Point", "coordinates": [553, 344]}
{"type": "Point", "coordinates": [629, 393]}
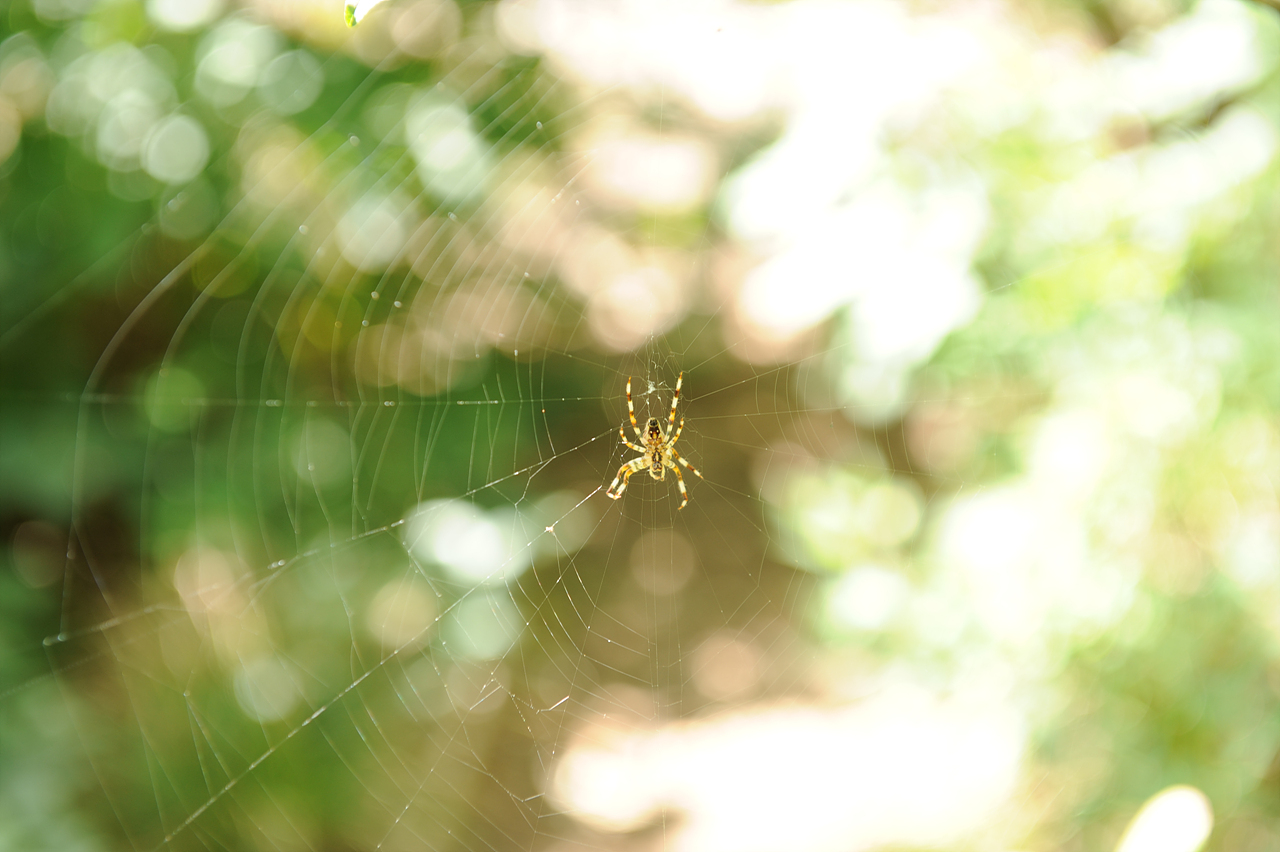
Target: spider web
{"type": "Point", "coordinates": [341, 571]}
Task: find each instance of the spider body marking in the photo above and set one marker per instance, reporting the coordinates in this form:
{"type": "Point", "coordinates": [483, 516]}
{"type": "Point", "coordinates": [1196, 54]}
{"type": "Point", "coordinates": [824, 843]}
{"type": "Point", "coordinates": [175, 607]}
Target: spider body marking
{"type": "Point", "coordinates": [656, 448]}
{"type": "Point", "coordinates": [653, 438]}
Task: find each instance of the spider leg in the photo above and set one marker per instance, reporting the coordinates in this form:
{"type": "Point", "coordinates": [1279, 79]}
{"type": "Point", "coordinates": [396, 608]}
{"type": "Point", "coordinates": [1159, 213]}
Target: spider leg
{"type": "Point", "coordinates": [631, 410]}
{"type": "Point", "coordinates": [624, 473]}
{"type": "Point", "coordinates": [676, 436]}
{"type": "Point", "coordinates": [678, 458]}
{"type": "Point", "coordinates": [675, 400]}
{"type": "Point", "coordinates": [638, 449]}
{"type": "Point", "coordinates": [684, 492]}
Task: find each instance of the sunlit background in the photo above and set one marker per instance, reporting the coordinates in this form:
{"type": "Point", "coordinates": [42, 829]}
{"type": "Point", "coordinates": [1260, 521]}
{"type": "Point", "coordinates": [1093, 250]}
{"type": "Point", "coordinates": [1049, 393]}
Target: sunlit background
{"type": "Point", "coordinates": [314, 346]}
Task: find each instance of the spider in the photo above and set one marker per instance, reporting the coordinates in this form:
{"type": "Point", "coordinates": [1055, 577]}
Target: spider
{"type": "Point", "coordinates": [657, 448]}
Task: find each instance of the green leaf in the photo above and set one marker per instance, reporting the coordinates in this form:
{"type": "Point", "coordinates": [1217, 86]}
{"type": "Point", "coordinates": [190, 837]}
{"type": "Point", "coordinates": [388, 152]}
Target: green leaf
{"type": "Point", "coordinates": [357, 9]}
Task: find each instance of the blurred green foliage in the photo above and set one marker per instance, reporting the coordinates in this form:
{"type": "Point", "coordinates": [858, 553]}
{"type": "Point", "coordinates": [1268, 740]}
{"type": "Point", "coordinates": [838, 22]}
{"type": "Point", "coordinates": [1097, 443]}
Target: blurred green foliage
{"type": "Point", "coordinates": [208, 483]}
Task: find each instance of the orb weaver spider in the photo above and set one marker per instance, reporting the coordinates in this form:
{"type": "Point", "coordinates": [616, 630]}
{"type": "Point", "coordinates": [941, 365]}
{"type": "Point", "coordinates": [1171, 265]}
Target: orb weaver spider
{"type": "Point", "coordinates": [656, 448]}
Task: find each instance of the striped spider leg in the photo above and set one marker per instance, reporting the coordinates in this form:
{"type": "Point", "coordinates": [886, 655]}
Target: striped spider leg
{"type": "Point", "coordinates": [675, 400]}
{"type": "Point", "coordinates": [656, 448]}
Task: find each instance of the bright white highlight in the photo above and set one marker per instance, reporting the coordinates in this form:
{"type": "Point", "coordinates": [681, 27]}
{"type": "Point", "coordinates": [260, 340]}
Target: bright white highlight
{"type": "Point", "coordinates": [867, 598]}
{"type": "Point", "coordinates": [183, 15]}
{"type": "Point", "coordinates": [817, 205]}
{"type": "Point", "coordinates": [1212, 50]}
{"type": "Point", "coordinates": [232, 58]}
{"type": "Point", "coordinates": [97, 86]}
{"type": "Point", "coordinates": [901, 769]}
{"type": "Point", "coordinates": [126, 121]}
{"type": "Point", "coordinates": [901, 263]}
{"type": "Point", "coordinates": [473, 546]}
{"type": "Point", "coordinates": [356, 11]}
{"type": "Point", "coordinates": [660, 173]}
{"type": "Point", "coordinates": [453, 162]}
{"type": "Point", "coordinates": [1021, 560]}
{"type": "Point", "coordinates": [1160, 188]}
{"type": "Point", "coordinates": [1070, 451]}
{"type": "Point", "coordinates": [1155, 407]}
{"type": "Point", "coordinates": [176, 150]}
{"type": "Point", "coordinates": [1177, 819]}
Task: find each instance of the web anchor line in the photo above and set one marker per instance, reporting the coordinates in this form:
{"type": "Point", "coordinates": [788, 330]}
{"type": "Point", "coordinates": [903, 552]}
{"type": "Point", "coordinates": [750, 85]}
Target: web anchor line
{"type": "Point", "coordinates": [322, 709]}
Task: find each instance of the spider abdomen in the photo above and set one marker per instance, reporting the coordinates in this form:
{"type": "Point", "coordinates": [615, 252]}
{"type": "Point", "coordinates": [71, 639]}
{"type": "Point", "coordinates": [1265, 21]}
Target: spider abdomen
{"type": "Point", "coordinates": [656, 469]}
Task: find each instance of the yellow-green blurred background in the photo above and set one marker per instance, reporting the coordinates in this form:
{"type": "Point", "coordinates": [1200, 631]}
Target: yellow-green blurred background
{"type": "Point", "coordinates": [314, 346]}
